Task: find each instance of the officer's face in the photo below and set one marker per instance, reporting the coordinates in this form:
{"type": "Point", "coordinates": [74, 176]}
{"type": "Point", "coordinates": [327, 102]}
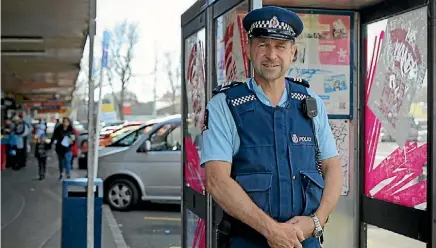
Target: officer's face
{"type": "Point", "coordinates": [271, 58]}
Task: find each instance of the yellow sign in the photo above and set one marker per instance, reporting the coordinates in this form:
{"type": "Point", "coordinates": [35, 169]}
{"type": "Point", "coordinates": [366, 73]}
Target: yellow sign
{"type": "Point", "coordinates": [107, 107]}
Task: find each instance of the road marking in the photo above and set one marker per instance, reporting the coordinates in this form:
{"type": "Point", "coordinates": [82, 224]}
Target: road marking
{"type": "Point", "coordinates": [162, 218]}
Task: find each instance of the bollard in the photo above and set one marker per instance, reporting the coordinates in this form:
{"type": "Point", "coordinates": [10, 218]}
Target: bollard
{"type": "Point", "coordinates": [74, 213]}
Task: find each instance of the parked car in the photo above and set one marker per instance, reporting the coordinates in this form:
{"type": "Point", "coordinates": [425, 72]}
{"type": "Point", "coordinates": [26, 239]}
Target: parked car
{"type": "Point", "coordinates": [144, 164]}
{"type": "Point", "coordinates": [106, 137]}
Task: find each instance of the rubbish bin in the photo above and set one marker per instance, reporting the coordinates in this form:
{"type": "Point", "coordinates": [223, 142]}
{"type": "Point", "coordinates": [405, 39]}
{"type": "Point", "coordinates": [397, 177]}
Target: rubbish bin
{"type": "Point", "coordinates": [74, 212]}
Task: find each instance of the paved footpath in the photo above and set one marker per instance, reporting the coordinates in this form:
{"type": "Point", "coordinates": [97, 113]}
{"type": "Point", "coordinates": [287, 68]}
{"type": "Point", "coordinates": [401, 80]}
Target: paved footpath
{"type": "Point", "coordinates": [31, 209]}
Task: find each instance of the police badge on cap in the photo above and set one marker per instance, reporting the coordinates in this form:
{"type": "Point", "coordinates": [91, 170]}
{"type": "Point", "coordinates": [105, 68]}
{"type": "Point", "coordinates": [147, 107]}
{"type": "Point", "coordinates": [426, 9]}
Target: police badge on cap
{"type": "Point", "coordinates": [274, 23]}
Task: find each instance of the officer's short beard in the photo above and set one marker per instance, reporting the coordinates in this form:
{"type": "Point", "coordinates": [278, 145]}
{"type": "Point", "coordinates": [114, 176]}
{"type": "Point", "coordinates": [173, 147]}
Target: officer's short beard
{"type": "Point", "coordinates": [269, 77]}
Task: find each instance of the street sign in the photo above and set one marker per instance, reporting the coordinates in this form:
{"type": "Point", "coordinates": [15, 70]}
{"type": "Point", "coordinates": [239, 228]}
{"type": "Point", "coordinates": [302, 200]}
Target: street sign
{"type": "Point", "coordinates": [105, 45]}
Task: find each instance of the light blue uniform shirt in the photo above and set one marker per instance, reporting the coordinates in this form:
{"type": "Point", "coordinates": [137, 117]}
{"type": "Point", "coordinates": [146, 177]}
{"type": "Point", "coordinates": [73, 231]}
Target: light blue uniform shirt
{"type": "Point", "coordinates": [221, 140]}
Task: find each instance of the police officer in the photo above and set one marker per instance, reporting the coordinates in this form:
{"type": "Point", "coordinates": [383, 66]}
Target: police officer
{"type": "Point", "coordinates": [269, 154]}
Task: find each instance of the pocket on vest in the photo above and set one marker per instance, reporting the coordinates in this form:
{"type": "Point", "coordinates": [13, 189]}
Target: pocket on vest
{"type": "Point", "coordinates": [313, 187]}
{"type": "Point", "coordinates": [258, 188]}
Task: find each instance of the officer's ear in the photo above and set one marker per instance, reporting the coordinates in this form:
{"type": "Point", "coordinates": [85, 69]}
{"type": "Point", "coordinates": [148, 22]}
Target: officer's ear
{"type": "Point", "coordinates": [248, 48]}
{"type": "Point", "coordinates": [293, 50]}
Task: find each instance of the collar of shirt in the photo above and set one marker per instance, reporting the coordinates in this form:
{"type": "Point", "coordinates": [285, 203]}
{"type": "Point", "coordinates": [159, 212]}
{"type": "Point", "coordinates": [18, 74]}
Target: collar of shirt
{"type": "Point", "coordinates": [263, 97]}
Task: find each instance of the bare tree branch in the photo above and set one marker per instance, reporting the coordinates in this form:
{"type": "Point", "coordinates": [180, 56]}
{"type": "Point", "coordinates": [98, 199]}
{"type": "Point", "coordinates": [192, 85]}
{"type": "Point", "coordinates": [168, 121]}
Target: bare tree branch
{"type": "Point", "coordinates": [173, 73]}
{"type": "Point", "coordinates": [121, 54]}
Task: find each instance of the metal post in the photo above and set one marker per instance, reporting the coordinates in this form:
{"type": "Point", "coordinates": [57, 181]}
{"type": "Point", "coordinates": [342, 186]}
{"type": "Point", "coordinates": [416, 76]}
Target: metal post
{"type": "Point", "coordinates": [91, 129]}
{"type": "Point", "coordinates": [431, 113]}
{"type": "Point", "coordinates": [210, 34]}
{"type": "Point", "coordinates": [97, 120]}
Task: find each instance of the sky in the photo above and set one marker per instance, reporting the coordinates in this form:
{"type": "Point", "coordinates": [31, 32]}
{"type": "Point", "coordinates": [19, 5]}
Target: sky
{"type": "Point", "coordinates": [159, 27]}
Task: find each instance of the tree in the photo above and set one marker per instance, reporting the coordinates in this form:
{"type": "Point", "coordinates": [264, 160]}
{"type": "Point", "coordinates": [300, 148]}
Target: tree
{"type": "Point", "coordinates": [124, 38]}
{"type": "Point", "coordinates": [172, 70]}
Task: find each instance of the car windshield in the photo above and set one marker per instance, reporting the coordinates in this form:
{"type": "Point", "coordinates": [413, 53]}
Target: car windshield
{"type": "Point", "coordinates": [119, 137]}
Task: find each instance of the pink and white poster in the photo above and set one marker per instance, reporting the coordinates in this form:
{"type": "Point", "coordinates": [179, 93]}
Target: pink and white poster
{"type": "Point", "coordinates": [196, 105]}
{"type": "Point", "coordinates": [231, 60]}
{"type": "Point", "coordinates": [395, 135]}
{"type": "Point", "coordinates": [195, 82]}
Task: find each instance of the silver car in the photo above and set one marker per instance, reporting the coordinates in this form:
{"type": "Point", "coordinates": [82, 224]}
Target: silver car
{"type": "Point", "coordinates": [144, 164]}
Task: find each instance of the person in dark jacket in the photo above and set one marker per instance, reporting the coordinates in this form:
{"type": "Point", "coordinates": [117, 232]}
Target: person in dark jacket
{"type": "Point", "coordinates": [64, 137]}
{"type": "Point", "coordinates": [41, 154]}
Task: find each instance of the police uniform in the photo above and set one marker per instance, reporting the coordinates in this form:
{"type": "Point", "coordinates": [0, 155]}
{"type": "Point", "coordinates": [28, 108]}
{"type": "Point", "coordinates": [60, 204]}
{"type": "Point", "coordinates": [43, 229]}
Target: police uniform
{"type": "Point", "coordinates": [274, 151]}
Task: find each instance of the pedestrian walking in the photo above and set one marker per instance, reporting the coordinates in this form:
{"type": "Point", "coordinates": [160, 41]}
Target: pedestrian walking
{"type": "Point", "coordinates": [41, 154]}
{"type": "Point", "coordinates": [64, 137]}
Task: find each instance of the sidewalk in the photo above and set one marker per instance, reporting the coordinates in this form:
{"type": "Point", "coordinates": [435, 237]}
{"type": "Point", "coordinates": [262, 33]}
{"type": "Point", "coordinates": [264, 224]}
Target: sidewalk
{"type": "Point", "coordinates": [31, 209]}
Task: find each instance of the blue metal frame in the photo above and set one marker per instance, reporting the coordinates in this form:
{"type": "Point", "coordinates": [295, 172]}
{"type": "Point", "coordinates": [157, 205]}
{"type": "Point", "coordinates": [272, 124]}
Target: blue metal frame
{"type": "Point", "coordinates": [351, 15]}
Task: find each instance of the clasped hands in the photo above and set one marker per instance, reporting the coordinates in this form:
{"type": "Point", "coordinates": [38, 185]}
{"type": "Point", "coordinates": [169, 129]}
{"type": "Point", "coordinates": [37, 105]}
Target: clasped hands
{"type": "Point", "coordinates": [291, 233]}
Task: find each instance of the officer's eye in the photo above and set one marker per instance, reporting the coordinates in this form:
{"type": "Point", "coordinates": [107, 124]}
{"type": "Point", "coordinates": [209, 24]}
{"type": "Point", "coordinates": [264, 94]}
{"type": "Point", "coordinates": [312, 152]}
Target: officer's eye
{"type": "Point", "coordinates": [281, 47]}
{"type": "Point", "coordinates": [262, 45]}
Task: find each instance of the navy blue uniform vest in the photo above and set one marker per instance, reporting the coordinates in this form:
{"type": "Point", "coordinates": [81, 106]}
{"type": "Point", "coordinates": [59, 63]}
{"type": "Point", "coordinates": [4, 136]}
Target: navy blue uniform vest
{"type": "Point", "coordinates": [276, 161]}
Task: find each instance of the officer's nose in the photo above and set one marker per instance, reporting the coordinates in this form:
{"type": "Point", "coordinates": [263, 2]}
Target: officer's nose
{"type": "Point", "coordinates": [271, 53]}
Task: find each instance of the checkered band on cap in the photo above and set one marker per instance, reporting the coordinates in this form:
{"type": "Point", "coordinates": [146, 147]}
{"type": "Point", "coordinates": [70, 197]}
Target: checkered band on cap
{"type": "Point", "coordinates": [298, 96]}
{"type": "Point", "coordinates": [273, 23]}
{"type": "Point", "coordinates": [242, 100]}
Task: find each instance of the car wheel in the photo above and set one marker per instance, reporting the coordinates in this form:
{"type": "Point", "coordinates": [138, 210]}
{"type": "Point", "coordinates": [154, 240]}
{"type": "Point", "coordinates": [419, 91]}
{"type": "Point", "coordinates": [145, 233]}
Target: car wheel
{"type": "Point", "coordinates": [122, 194]}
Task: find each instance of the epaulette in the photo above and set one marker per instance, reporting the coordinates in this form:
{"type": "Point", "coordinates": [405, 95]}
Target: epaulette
{"type": "Point", "coordinates": [225, 86]}
{"type": "Point", "coordinates": [299, 81]}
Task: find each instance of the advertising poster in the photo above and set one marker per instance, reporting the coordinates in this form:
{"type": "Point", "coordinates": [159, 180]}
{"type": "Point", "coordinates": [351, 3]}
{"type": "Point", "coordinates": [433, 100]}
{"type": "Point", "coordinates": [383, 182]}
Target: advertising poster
{"type": "Point", "coordinates": [401, 70]}
{"type": "Point", "coordinates": [395, 129]}
{"type": "Point", "coordinates": [324, 59]}
{"type": "Point", "coordinates": [197, 231]}
{"type": "Point", "coordinates": [231, 60]}
{"type": "Point", "coordinates": [195, 101]}
{"type": "Point", "coordinates": [196, 104]}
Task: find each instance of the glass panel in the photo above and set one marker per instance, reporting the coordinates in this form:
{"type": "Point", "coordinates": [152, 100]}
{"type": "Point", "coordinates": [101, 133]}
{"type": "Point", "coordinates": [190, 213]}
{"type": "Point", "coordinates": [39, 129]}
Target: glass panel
{"type": "Point", "coordinates": [381, 238]}
{"type": "Point", "coordinates": [161, 139]}
{"type": "Point", "coordinates": [231, 41]}
{"type": "Point", "coordinates": [195, 101]}
{"type": "Point", "coordinates": [196, 231]}
{"type": "Point", "coordinates": [396, 110]}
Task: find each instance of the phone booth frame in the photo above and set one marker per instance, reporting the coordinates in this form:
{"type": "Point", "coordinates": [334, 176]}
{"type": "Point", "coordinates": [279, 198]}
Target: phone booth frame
{"type": "Point", "coordinates": [200, 214]}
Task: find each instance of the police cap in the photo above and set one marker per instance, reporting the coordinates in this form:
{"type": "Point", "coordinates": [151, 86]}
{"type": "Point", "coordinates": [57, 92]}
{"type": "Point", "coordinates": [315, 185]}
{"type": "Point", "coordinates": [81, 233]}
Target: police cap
{"type": "Point", "coordinates": [274, 23]}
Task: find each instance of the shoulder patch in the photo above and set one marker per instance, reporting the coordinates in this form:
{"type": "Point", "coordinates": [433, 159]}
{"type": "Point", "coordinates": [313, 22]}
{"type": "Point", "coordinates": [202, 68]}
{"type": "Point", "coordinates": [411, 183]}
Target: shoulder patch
{"type": "Point", "coordinates": [225, 86]}
{"type": "Point", "coordinates": [300, 81]}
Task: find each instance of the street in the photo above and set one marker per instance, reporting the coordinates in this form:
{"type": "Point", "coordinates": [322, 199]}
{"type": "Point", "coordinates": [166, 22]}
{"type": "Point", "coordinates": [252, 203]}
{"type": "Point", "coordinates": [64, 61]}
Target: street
{"type": "Point", "coordinates": [151, 226]}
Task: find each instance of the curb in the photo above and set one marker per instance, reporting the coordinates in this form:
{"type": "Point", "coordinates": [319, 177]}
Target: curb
{"type": "Point", "coordinates": [113, 225]}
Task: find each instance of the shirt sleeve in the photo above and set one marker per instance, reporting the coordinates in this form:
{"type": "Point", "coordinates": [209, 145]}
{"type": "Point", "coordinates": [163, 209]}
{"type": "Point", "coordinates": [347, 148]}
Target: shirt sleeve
{"type": "Point", "coordinates": [326, 140]}
{"type": "Point", "coordinates": [219, 133]}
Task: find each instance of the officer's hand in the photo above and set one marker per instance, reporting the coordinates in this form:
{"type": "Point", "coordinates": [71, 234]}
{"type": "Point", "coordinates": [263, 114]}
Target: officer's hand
{"type": "Point", "coordinates": [285, 235]}
{"type": "Point", "coordinates": [305, 223]}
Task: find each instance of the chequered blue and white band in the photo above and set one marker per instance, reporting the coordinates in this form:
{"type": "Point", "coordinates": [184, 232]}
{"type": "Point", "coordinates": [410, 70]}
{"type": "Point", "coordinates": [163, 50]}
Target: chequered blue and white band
{"type": "Point", "coordinates": [242, 100]}
{"type": "Point", "coordinates": [298, 96]}
{"type": "Point", "coordinates": [273, 23]}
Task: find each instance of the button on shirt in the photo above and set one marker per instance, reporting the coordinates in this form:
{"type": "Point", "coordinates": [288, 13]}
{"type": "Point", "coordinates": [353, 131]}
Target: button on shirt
{"type": "Point", "coordinates": [221, 141]}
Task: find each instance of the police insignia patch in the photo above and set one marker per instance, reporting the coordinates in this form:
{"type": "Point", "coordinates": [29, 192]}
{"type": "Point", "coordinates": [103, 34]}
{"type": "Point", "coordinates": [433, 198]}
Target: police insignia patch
{"type": "Point", "coordinates": [205, 121]}
{"type": "Point", "coordinates": [300, 81]}
{"type": "Point", "coordinates": [225, 86]}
